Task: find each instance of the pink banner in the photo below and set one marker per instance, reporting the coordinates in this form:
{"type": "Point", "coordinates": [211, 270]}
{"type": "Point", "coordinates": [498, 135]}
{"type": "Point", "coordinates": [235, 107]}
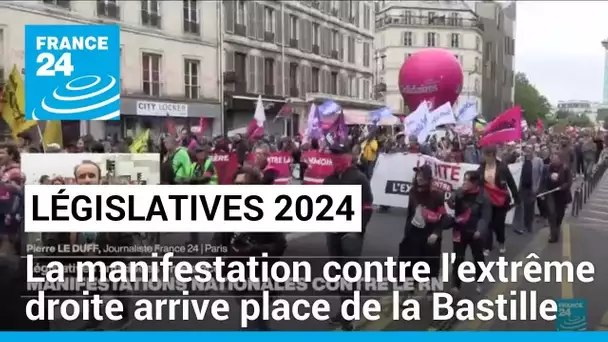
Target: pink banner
{"type": "Point", "coordinates": [280, 161]}
{"type": "Point", "coordinates": [319, 166]}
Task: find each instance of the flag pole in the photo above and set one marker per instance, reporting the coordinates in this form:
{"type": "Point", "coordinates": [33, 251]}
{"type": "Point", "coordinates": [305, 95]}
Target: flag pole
{"type": "Point", "coordinates": [41, 136]}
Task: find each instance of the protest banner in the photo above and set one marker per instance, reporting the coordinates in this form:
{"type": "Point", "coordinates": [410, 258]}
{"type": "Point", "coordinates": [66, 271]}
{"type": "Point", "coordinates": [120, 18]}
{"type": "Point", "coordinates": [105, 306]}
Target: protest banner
{"type": "Point", "coordinates": [393, 175]}
{"type": "Point", "coordinates": [319, 166]}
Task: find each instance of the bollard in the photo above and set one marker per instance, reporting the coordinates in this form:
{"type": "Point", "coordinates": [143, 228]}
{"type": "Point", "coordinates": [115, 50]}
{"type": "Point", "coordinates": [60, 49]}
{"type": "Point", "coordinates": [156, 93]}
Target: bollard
{"type": "Point", "coordinates": [574, 205]}
{"type": "Point", "coordinates": [580, 202]}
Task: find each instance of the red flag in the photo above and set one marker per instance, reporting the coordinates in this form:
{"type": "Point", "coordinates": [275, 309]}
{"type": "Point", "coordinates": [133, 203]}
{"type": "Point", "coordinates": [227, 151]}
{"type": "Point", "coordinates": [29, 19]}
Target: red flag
{"type": "Point", "coordinates": [285, 112]}
{"type": "Point", "coordinates": [506, 127]}
{"type": "Point", "coordinates": [539, 125]}
{"type": "Point", "coordinates": [202, 125]}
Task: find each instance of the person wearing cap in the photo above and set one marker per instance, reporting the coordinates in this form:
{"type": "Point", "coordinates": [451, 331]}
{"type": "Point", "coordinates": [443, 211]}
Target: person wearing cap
{"type": "Point", "coordinates": [472, 214]}
{"type": "Point", "coordinates": [202, 169]}
{"type": "Point", "coordinates": [426, 219]}
{"type": "Point", "coordinates": [344, 247]}
{"type": "Point", "coordinates": [497, 182]}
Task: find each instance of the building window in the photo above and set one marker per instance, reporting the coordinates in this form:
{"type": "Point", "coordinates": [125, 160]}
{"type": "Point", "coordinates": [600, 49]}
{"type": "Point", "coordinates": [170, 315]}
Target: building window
{"type": "Point", "coordinates": [431, 39]}
{"type": "Point", "coordinates": [455, 40]}
{"type": "Point", "coordinates": [191, 17]}
{"type": "Point", "coordinates": [293, 76]}
{"type": "Point", "coordinates": [268, 72]}
{"type": "Point", "coordinates": [240, 67]}
{"type": "Point", "coordinates": [293, 22]}
{"type": "Point", "coordinates": [108, 8]}
{"type": "Point", "coordinates": [366, 55]}
{"type": "Point", "coordinates": [315, 34]}
{"type": "Point", "coordinates": [408, 38]}
{"type": "Point", "coordinates": [151, 71]}
{"type": "Point", "coordinates": [269, 19]}
{"type": "Point", "coordinates": [486, 52]}
{"type": "Point", "coordinates": [60, 3]}
{"type": "Point", "coordinates": [335, 40]}
{"type": "Point", "coordinates": [431, 17]}
{"type": "Point", "coordinates": [351, 86]}
{"type": "Point", "coordinates": [407, 16]}
{"type": "Point", "coordinates": [367, 15]}
{"type": "Point", "coordinates": [315, 80]}
{"type": "Point", "coordinates": [191, 77]}
{"type": "Point", "coordinates": [477, 43]}
{"type": "Point", "coordinates": [240, 12]}
{"type": "Point", "coordinates": [150, 13]}
{"type": "Point", "coordinates": [334, 83]}
{"type": "Point", "coordinates": [455, 19]}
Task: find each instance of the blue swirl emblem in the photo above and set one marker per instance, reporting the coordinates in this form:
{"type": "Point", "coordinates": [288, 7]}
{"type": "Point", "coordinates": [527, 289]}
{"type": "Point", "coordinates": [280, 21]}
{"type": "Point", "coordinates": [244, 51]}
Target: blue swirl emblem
{"type": "Point", "coordinates": [89, 97]}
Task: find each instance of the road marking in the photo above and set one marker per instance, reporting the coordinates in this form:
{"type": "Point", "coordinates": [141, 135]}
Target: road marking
{"type": "Point", "coordinates": [537, 245]}
{"type": "Point", "coordinates": [567, 287]}
{"type": "Point", "coordinates": [596, 227]}
{"type": "Point", "coordinates": [597, 205]}
{"type": "Point", "coordinates": [595, 212]}
{"type": "Point", "coordinates": [592, 219]}
{"type": "Point", "coordinates": [598, 199]}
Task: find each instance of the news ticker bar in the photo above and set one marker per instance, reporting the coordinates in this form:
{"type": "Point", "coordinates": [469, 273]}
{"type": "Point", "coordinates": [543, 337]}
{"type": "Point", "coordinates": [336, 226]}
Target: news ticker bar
{"type": "Point", "coordinates": [302, 336]}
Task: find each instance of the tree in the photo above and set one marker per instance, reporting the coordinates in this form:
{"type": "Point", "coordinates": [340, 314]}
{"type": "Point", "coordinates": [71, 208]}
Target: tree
{"type": "Point", "coordinates": [581, 121]}
{"type": "Point", "coordinates": [602, 114]}
{"type": "Point", "coordinates": [532, 102]}
{"type": "Point", "coordinates": [576, 120]}
{"type": "Point", "coordinates": [563, 114]}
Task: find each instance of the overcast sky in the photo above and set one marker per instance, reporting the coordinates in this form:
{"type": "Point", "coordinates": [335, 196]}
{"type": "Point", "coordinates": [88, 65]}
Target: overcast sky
{"type": "Point", "coordinates": [558, 47]}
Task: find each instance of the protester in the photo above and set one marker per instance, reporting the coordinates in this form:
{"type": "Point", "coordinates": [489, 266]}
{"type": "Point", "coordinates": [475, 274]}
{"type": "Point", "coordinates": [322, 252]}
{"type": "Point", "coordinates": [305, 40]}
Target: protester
{"type": "Point", "coordinates": [557, 179]}
{"type": "Point", "coordinates": [472, 214]}
{"type": "Point", "coordinates": [424, 224]}
{"type": "Point", "coordinates": [529, 184]}
{"type": "Point", "coordinates": [346, 247]}
{"type": "Point", "coordinates": [498, 181]}
{"type": "Point", "coordinates": [245, 245]}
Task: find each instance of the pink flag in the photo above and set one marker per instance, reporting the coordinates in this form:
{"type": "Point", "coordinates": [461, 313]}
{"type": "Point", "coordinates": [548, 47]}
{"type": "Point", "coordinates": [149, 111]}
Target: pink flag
{"type": "Point", "coordinates": [506, 127]}
{"type": "Point", "coordinates": [255, 130]}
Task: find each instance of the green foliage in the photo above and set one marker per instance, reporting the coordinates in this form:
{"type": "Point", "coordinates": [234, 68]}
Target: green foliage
{"type": "Point", "coordinates": [575, 120]}
{"type": "Point", "coordinates": [531, 101]}
{"type": "Point", "coordinates": [602, 114]}
{"type": "Point", "coordinates": [563, 114]}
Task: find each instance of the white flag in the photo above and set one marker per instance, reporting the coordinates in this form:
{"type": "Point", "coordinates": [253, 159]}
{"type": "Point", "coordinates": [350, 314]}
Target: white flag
{"type": "Point", "coordinates": [443, 115]}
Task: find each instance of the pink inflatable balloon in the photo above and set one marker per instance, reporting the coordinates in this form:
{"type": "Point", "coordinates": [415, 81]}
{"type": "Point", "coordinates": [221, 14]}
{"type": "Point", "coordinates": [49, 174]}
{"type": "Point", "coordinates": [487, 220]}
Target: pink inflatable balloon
{"type": "Point", "coordinates": [430, 75]}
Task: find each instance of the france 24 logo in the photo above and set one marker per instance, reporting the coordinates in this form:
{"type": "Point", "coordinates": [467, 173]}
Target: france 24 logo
{"type": "Point", "coordinates": [72, 72]}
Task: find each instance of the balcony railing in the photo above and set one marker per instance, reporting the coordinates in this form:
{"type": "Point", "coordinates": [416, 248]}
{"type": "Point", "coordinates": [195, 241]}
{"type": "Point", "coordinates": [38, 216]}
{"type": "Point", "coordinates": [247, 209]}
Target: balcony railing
{"type": "Point", "coordinates": [441, 21]}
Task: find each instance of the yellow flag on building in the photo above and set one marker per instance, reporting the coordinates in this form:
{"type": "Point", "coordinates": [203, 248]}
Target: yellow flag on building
{"type": "Point", "coordinates": [53, 133]}
{"type": "Point", "coordinates": [13, 103]}
{"type": "Point", "coordinates": [140, 144]}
